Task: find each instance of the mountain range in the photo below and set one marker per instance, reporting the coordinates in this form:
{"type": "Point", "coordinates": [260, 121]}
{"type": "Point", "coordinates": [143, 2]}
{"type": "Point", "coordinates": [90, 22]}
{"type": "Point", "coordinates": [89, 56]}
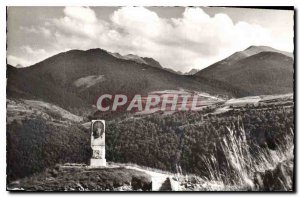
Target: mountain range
{"type": "Point", "coordinates": [74, 79]}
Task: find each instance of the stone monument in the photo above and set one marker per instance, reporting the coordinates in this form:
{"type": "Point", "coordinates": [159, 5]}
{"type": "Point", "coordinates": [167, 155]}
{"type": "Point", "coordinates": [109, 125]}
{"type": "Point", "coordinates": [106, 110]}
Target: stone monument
{"type": "Point", "coordinates": [98, 143]}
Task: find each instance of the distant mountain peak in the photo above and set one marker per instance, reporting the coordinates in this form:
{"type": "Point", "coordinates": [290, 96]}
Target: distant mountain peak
{"type": "Point", "coordinates": [19, 66]}
{"type": "Point", "coordinates": [97, 50]}
{"type": "Point", "coordinates": [257, 47]}
{"type": "Point", "coordinates": [141, 60]}
{"type": "Point", "coordinates": [192, 71]}
{"type": "Point", "coordinates": [152, 62]}
{"type": "Point", "coordinates": [252, 50]}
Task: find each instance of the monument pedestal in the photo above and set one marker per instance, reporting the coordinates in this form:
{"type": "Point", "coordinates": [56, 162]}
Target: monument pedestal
{"type": "Point", "coordinates": [98, 158]}
{"type": "Point", "coordinates": [97, 162]}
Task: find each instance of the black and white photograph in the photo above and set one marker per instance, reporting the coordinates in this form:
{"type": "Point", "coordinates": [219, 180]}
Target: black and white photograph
{"type": "Point", "coordinates": [150, 99]}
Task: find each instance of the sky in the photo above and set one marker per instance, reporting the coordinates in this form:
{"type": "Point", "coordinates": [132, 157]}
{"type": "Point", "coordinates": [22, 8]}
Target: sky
{"type": "Point", "coordinates": [180, 38]}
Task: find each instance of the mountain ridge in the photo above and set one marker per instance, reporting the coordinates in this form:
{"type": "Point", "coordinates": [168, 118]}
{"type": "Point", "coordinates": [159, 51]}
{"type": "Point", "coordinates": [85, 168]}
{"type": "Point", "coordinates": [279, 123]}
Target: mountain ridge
{"type": "Point", "coordinates": [253, 70]}
{"type": "Point", "coordinates": [76, 78]}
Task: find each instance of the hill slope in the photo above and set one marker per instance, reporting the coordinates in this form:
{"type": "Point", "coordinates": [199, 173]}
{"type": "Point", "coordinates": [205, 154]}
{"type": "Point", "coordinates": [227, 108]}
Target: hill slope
{"type": "Point", "coordinates": [252, 72]}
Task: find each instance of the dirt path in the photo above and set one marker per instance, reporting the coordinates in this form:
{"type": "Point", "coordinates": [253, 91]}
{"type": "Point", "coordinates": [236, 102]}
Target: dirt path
{"type": "Point", "coordinates": [160, 181]}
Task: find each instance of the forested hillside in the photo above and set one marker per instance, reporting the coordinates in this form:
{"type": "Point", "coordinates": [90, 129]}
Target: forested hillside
{"type": "Point", "coordinates": [184, 139]}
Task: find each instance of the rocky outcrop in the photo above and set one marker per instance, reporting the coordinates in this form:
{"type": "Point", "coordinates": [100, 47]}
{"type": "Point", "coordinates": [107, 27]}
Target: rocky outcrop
{"type": "Point", "coordinates": [278, 179]}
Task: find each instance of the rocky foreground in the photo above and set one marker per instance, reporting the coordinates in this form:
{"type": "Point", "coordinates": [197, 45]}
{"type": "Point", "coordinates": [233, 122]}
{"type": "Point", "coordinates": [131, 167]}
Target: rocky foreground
{"type": "Point", "coordinates": [116, 178]}
{"type": "Point", "coordinates": [82, 178]}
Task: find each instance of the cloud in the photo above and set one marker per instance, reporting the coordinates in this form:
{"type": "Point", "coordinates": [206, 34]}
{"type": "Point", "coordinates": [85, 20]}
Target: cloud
{"type": "Point", "coordinates": [193, 40]}
{"type": "Point", "coordinates": [17, 61]}
{"type": "Point", "coordinates": [84, 14]}
{"type": "Point", "coordinates": [138, 21]}
{"type": "Point", "coordinates": [29, 56]}
{"type": "Point", "coordinates": [78, 21]}
{"type": "Point", "coordinates": [36, 30]}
